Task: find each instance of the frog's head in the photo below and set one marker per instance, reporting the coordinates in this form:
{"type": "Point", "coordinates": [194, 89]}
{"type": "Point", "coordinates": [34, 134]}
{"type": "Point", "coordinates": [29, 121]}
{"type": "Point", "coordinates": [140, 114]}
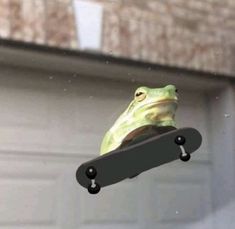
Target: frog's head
{"type": "Point", "coordinates": [154, 106]}
{"type": "Point", "coordinates": [150, 106]}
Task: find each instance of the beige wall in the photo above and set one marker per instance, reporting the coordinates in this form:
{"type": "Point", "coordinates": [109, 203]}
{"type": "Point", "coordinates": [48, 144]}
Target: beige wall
{"type": "Point", "coordinates": [187, 33]}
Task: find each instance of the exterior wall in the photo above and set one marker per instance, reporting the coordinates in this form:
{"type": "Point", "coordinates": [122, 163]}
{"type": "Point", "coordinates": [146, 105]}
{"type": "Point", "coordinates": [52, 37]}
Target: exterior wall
{"type": "Point", "coordinates": [190, 34]}
{"type": "Point", "coordinates": [39, 21]}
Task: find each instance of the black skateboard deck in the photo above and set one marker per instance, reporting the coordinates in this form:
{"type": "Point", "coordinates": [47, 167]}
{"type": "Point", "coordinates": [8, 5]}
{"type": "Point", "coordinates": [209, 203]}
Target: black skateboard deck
{"type": "Point", "coordinates": [126, 162]}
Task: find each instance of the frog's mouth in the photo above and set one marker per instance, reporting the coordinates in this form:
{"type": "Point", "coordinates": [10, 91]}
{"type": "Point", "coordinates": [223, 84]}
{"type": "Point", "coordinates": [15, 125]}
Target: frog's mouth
{"type": "Point", "coordinates": [164, 101]}
{"type": "Point", "coordinates": [160, 102]}
{"type": "Point", "coordinates": [167, 101]}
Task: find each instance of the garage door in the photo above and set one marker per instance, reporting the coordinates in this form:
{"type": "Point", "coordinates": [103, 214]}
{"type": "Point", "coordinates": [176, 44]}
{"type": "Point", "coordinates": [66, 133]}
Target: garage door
{"type": "Point", "coordinates": [50, 124]}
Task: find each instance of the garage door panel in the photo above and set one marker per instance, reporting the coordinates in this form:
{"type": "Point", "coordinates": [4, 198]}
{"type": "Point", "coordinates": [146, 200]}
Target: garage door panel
{"type": "Point", "coordinates": [36, 192]}
{"type": "Point", "coordinates": [172, 210]}
{"type": "Point", "coordinates": [38, 142]}
{"type": "Point", "coordinates": [120, 225]}
{"type": "Point", "coordinates": [185, 225]}
{"type": "Point", "coordinates": [29, 226]}
{"type": "Point", "coordinates": [27, 201]}
{"type": "Point", "coordinates": [115, 204]}
{"type": "Point", "coordinates": [24, 108]}
{"type": "Point", "coordinates": [178, 194]}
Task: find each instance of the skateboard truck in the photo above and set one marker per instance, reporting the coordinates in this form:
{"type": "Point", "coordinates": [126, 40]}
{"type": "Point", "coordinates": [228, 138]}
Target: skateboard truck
{"type": "Point", "coordinates": [91, 173]}
{"type": "Point", "coordinates": [184, 156]}
{"type": "Point", "coordinates": [153, 151]}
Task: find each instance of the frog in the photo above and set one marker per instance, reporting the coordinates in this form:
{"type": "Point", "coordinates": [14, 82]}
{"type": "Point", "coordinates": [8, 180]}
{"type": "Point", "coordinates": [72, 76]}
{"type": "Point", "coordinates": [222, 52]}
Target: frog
{"type": "Point", "coordinates": [150, 107]}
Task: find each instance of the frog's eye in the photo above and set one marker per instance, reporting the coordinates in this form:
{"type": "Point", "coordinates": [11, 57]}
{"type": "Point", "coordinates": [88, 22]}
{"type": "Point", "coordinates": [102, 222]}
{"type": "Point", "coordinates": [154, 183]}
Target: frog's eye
{"type": "Point", "coordinates": [139, 93]}
{"type": "Point", "coordinates": [140, 96]}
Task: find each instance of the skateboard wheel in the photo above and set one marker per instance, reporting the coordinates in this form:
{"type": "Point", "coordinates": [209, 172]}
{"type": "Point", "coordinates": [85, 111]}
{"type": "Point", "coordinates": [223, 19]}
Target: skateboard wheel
{"type": "Point", "coordinates": [185, 157]}
{"type": "Point", "coordinates": [91, 172]}
{"type": "Point", "coordinates": [180, 140]}
{"type": "Point", "coordinates": [93, 190]}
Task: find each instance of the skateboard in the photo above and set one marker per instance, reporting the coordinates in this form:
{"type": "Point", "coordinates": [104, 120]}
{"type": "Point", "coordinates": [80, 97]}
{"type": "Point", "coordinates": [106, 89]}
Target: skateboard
{"type": "Point", "coordinates": [131, 160]}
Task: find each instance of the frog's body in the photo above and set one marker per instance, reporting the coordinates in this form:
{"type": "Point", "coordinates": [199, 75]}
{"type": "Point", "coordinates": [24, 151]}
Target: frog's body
{"type": "Point", "coordinates": [150, 107]}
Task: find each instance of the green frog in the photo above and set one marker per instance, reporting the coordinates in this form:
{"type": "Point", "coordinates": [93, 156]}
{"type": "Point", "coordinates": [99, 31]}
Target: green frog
{"type": "Point", "coordinates": [151, 107]}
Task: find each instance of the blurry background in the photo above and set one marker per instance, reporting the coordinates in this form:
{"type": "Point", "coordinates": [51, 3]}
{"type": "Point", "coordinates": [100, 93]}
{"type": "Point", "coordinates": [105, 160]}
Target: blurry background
{"type": "Point", "coordinates": [68, 69]}
{"type": "Point", "coordinates": [193, 34]}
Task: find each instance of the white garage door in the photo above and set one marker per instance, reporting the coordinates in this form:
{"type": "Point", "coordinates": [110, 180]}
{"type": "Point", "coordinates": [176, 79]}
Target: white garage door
{"type": "Point", "coordinates": [50, 124]}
